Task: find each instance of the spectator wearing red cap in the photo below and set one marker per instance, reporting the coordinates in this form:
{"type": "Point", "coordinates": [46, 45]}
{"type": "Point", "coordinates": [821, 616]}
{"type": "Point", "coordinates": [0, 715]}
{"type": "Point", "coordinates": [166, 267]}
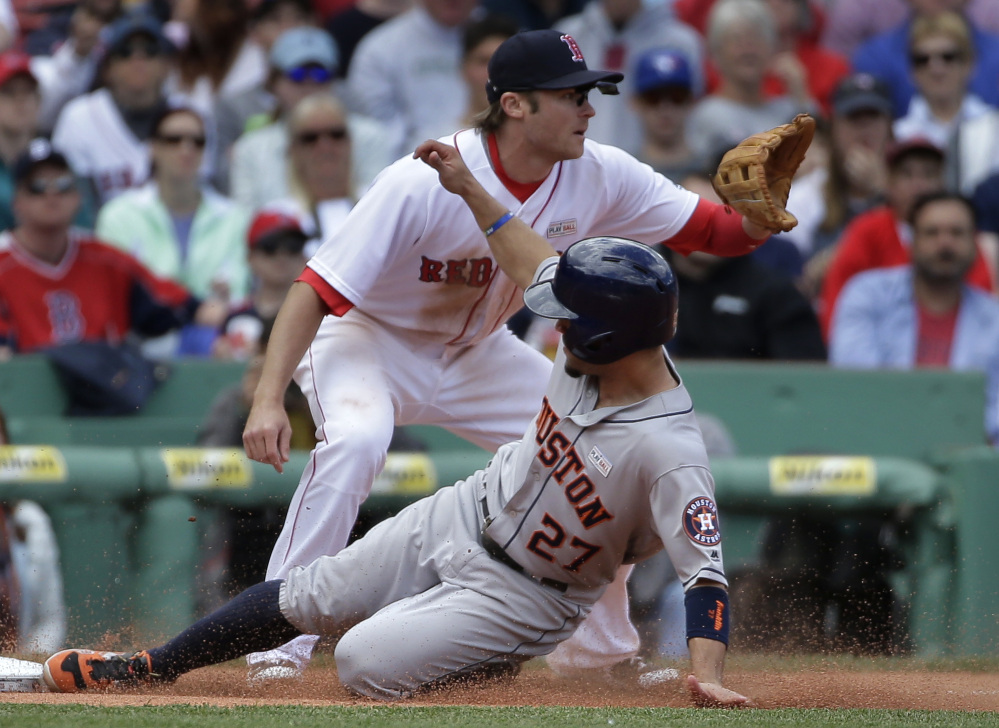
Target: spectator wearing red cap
{"type": "Point", "coordinates": [20, 104]}
{"type": "Point", "coordinates": [881, 237]}
{"type": "Point", "coordinates": [275, 250]}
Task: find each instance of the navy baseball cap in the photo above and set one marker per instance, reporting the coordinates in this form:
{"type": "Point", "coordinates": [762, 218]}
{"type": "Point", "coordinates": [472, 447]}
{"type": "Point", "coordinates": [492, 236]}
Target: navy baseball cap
{"type": "Point", "coordinates": [660, 68]}
{"type": "Point", "coordinates": [38, 153]}
{"type": "Point", "coordinates": [862, 92]}
{"type": "Point", "coordinates": [543, 59]}
{"type": "Point", "coordinates": [137, 22]}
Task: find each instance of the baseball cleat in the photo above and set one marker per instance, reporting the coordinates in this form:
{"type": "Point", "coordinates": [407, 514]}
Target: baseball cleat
{"type": "Point", "coordinates": [73, 671]}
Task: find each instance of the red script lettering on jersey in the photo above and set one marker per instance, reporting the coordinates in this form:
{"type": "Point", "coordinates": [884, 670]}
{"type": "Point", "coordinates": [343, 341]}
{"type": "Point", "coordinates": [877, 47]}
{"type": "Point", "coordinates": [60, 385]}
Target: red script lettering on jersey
{"type": "Point", "coordinates": [474, 272]}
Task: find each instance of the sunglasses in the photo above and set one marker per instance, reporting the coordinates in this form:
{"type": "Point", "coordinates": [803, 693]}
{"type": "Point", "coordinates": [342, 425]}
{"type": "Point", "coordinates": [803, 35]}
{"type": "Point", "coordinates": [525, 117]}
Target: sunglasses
{"type": "Point", "coordinates": [921, 60]}
{"type": "Point", "coordinates": [147, 49]}
{"type": "Point", "coordinates": [175, 140]}
{"type": "Point", "coordinates": [60, 185]}
{"type": "Point", "coordinates": [308, 138]}
{"type": "Point", "coordinates": [316, 74]}
{"type": "Point", "coordinates": [678, 96]}
{"type": "Point", "coordinates": [289, 245]}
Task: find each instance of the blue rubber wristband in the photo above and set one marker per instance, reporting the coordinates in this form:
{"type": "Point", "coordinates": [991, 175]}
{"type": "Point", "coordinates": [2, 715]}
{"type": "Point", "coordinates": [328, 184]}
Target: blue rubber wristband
{"type": "Point", "coordinates": [707, 613]}
{"type": "Point", "coordinates": [498, 224]}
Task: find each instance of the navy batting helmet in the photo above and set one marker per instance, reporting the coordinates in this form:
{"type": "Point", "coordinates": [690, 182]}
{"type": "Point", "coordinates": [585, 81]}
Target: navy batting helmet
{"type": "Point", "coordinates": [619, 297]}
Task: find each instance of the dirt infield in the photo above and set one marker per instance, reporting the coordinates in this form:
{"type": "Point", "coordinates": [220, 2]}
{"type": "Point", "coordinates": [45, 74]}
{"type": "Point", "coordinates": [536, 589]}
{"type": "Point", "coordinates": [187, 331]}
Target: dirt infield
{"type": "Point", "coordinates": [536, 686]}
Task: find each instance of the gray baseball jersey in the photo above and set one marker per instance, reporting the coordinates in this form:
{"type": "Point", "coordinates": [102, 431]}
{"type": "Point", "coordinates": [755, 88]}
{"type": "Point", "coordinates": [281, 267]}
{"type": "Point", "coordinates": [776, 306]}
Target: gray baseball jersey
{"type": "Point", "coordinates": [428, 593]}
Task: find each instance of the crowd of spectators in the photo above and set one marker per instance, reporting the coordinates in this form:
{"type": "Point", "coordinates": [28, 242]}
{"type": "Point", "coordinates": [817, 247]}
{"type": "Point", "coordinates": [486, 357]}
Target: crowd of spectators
{"type": "Point", "coordinates": [185, 122]}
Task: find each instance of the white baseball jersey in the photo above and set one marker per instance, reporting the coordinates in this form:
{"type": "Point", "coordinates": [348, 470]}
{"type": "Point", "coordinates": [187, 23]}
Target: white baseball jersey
{"type": "Point", "coordinates": [98, 144]}
{"type": "Point", "coordinates": [409, 239]}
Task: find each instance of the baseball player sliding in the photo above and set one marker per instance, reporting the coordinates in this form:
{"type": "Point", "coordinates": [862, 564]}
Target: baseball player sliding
{"type": "Point", "coordinates": [398, 319]}
{"type": "Point", "coordinates": [503, 566]}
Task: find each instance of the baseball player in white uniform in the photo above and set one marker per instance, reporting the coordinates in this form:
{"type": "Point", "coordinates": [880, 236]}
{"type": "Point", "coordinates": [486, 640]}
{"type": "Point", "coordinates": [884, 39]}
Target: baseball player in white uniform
{"type": "Point", "coordinates": [398, 318]}
{"type": "Point", "coordinates": [500, 568]}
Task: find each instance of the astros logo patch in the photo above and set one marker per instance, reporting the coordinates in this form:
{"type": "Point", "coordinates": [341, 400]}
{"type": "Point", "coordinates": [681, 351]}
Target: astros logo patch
{"type": "Point", "coordinates": [700, 522]}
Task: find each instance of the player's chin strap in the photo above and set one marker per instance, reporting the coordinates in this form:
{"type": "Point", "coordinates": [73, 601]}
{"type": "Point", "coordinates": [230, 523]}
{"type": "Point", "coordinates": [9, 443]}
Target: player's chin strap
{"type": "Point", "coordinates": [707, 613]}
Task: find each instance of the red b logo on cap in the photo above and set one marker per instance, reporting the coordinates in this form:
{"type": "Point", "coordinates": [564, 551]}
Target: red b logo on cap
{"type": "Point", "coordinates": [577, 55]}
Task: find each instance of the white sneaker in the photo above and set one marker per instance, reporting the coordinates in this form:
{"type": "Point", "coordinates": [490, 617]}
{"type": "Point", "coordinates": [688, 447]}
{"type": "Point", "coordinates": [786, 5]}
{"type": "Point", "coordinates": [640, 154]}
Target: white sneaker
{"type": "Point", "coordinates": [264, 673]}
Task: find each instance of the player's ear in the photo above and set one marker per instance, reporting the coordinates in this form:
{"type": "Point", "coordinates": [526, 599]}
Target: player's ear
{"type": "Point", "coordinates": [515, 105]}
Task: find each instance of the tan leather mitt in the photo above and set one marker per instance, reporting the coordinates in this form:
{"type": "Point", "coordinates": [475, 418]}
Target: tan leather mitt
{"type": "Point", "coordinates": [754, 178]}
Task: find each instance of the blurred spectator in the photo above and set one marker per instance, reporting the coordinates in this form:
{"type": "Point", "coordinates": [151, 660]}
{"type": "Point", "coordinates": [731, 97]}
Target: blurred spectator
{"type": "Point", "coordinates": [941, 58]}
{"type": "Point", "coordinates": [406, 73]}
{"type": "Point", "coordinates": [177, 226]}
{"type": "Point", "coordinates": [104, 133]}
{"type": "Point", "coordinates": [250, 108]}
{"type": "Point", "coordinates": [887, 56]}
{"type": "Point", "coordinates": [735, 308]}
{"type": "Point", "coordinates": [10, 29]}
{"type": "Point", "coordinates": [59, 285]}
{"type": "Point", "coordinates": [662, 99]}
{"type": "Point", "coordinates": [924, 314]}
{"type": "Point", "coordinates": [852, 22]}
{"type": "Point", "coordinates": [742, 38]}
{"type": "Point", "coordinates": [319, 150]}
{"type": "Point", "coordinates": [800, 55]}
{"type": "Point", "coordinates": [799, 59]}
{"type": "Point", "coordinates": [535, 14]}
{"type": "Point", "coordinates": [62, 25]}
{"type": "Point", "coordinates": [275, 246]}
{"type": "Point", "coordinates": [32, 608]}
{"type": "Point", "coordinates": [303, 63]}
{"type": "Point", "coordinates": [20, 102]}
{"type": "Point", "coordinates": [882, 237]}
{"type": "Point", "coordinates": [615, 33]}
{"type": "Point", "coordinates": [853, 181]}
{"type": "Point", "coordinates": [986, 202]}
{"type": "Point", "coordinates": [270, 18]}
{"type": "Point", "coordinates": [741, 308]}
{"type": "Point", "coordinates": [218, 56]}
{"type": "Point", "coordinates": [350, 25]}
{"type": "Point", "coordinates": [68, 68]}
{"type": "Point", "coordinates": [481, 38]}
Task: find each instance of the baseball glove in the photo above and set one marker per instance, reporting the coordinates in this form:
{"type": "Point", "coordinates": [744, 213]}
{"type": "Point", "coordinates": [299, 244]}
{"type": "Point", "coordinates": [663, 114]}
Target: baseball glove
{"type": "Point", "coordinates": [754, 178]}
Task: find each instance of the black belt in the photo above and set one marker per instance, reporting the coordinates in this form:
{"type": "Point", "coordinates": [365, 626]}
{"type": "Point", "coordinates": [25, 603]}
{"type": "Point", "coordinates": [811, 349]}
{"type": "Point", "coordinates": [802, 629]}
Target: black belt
{"type": "Point", "coordinates": [496, 551]}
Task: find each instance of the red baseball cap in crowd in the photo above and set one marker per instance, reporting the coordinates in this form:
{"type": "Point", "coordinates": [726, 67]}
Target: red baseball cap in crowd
{"type": "Point", "coordinates": [15, 63]}
{"type": "Point", "coordinates": [904, 147]}
{"type": "Point", "coordinates": [271, 230]}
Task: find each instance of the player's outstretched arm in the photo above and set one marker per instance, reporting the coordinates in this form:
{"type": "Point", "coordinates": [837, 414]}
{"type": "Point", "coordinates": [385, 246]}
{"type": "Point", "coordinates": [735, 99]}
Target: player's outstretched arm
{"type": "Point", "coordinates": [267, 436]}
{"type": "Point", "coordinates": [707, 659]}
{"type": "Point", "coordinates": [706, 605]}
{"type": "Point", "coordinates": [517, 248]}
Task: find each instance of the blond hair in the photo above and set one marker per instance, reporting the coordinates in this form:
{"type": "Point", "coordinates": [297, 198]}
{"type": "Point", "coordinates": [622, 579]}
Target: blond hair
{"type": "Point", "coordinates": [949, 24]}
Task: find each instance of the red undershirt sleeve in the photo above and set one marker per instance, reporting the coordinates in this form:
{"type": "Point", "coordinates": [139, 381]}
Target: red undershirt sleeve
{"type": "Point", "coordinates": [715, 229]}
{"type": "Point", "coordinates": [334, 300]}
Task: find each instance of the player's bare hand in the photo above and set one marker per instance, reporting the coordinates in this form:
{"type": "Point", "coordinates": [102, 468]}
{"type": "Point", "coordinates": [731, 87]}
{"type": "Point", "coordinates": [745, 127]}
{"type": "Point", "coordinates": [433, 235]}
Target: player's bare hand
{"type": "Point", "coordinates": [267, 436]}
{"type": "Point", "coordinates": [714, 695]}
{"type": "Point", "coordinates": [454, 175]}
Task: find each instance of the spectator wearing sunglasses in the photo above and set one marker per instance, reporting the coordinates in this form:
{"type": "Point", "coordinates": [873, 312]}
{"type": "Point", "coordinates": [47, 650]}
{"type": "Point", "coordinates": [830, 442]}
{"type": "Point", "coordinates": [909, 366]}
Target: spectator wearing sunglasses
{"type": "Point", "coordinates": [304, 62]}
{"type": "Point", "coordinates": [177, 225]}
{"type": "Point", "coordinates": [887, 55]}
{"type": "Point", "coordinates": [941, 56]}
{"type": "Point", "coordinates": [60, 285]}
{"type": "Point", "coordinates": [20, 103]}
{"type": "Point", "coordinates": [105, 133]}
{"type": "Point", "coordinates": [319, 152]}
